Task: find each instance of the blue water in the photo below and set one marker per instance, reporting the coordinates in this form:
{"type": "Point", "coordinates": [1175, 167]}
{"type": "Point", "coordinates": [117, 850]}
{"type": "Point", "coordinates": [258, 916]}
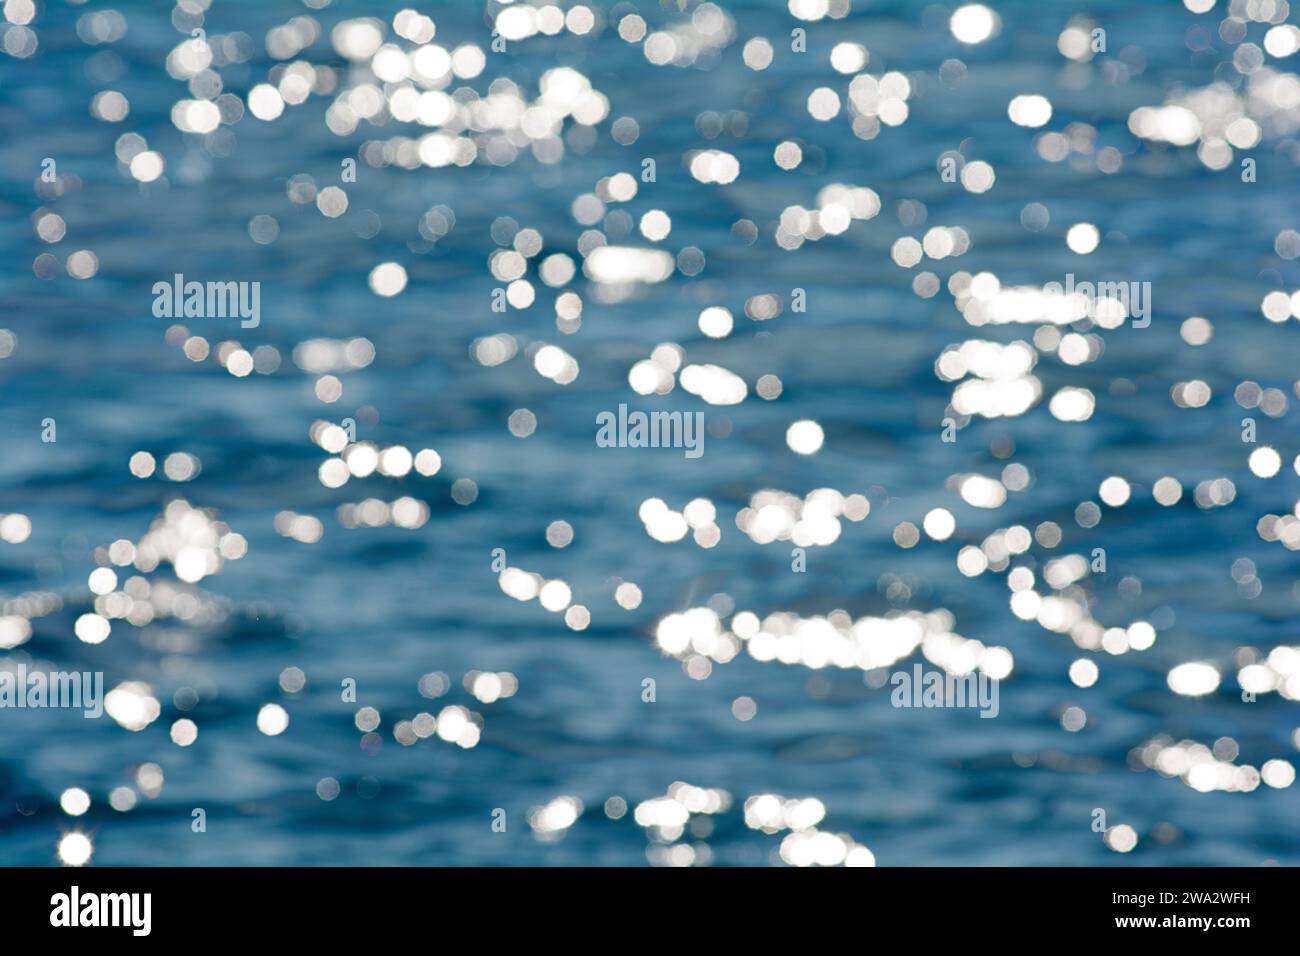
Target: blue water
{"type": "Point", "coordinates": [384, 606]}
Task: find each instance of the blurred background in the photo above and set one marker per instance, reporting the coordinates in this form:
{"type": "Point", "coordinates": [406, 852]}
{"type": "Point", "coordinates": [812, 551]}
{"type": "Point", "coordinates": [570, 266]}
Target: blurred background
{"type": "Point", "coordinates": [280, 544]}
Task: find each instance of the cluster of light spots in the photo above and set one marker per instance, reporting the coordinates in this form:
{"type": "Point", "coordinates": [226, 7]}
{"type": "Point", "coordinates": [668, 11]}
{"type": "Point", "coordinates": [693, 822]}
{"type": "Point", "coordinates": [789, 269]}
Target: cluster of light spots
{"type": "Point", "coordinates": [411, 85]}
{"type": "Point", "coordinates": [20, 41]}
{"type": "Point", "coordinates": [942, 242]}
{"type": "Point", "coordinates": [708, 30]}
{"type": "Point", "coordinates": [811, 521]}
{"type": "Point", "coordinates": [814, 10]}
{"type": "Point", "coordinates": [364, 459]}
{"type": "Point", "coordinates": [657, 375]}
{"type": "Point", "coordinates": [1064, 612]}
{"type": "Point", "coordinates": [141, 601]}
{"type": "Point", "coordinates": [305, 529]}
{"type": "Point", "coordinates": [1217, 119]}
{"type": "Point", "coordinates": [191, 539]}
{"type": "Point", "coordinates": [488, 687]}
{"type": "Point", "coordinates": [405, 512]}
{"type": "Point", "coordinates": [815, 847]}
{"type": "Point", "coordinates": [838, 206]}
{"type": "Point", "coordinates": [805, 845]}
{"type": "Point", "coordinates": [494, 350]}
{"type": "Point", "coordinates": [229, 354]}
{"type": "Point", "coordinates": [620, 187]}
{"type": "Point", "coordinates": [1207, 769]}
{"type": "Point", "coordinates": [1077, 140]}
{"type": "Point", "coordinates": [188, 116]}
{"type": "Point", "coordinates": [1278, 673]}
{"type": "Point", "coordinates": [683, 808]}
{"type": "Point", "coordinates": [1030, 110]}
{"type": "Point", "coordinates": [521, 21]}
{"type": "Point", "coordinates": [713, 166]}
{"type": "Point", "coordinates": [289, 39]}
{"type": "Point", "coordinates": [979, 491]}
{"type": "Point", "coordinates": [239, 362]}
{"type": "Point", "coordinates": [554, 595]}
{"type": "Point", "coordinates": [551, 821]}
{"type": "Point", "coordinates": [510, 265]}
{"type": "Point", "coordinates": [551, 361]}
{"type": "Point", "coordinates": [426, 84]}
{"type": "Point", "coordinates": [873, 100]}
{"type": "Point", "coordinates": [315, 356]}
{"type": "Point", "coordinates": [1271, 401]}
{"type": "Point", "coordinates": [697, 638]}
{"type": "Point", "coordinates": [1000, 384]}
{"type": "Point", "coordinates": [983, 300]}
{"type": "Point", "coordinates": [714, 384]}
{"type": "Point", "coordinates": [454, 724]}
{"type": "Point", "coordinates": [665, 525]}
{"type": "Point", "coordinates": [838, 203]}
{"type": "Point", "coordinates": [995, 552]}
{"type": "Point", "coordinates": [1214, 493]}
{"type": "Point", "coordinates": [1171, 124]}
{"type": "Point", "coordinates": [669, 814]}
{"type": "Point", "coordinates": [623, 266]}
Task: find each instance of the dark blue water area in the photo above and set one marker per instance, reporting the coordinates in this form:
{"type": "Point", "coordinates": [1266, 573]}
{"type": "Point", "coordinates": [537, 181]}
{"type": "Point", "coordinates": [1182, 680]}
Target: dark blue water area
{"type": "Point", "coordinates": [384, 606]}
